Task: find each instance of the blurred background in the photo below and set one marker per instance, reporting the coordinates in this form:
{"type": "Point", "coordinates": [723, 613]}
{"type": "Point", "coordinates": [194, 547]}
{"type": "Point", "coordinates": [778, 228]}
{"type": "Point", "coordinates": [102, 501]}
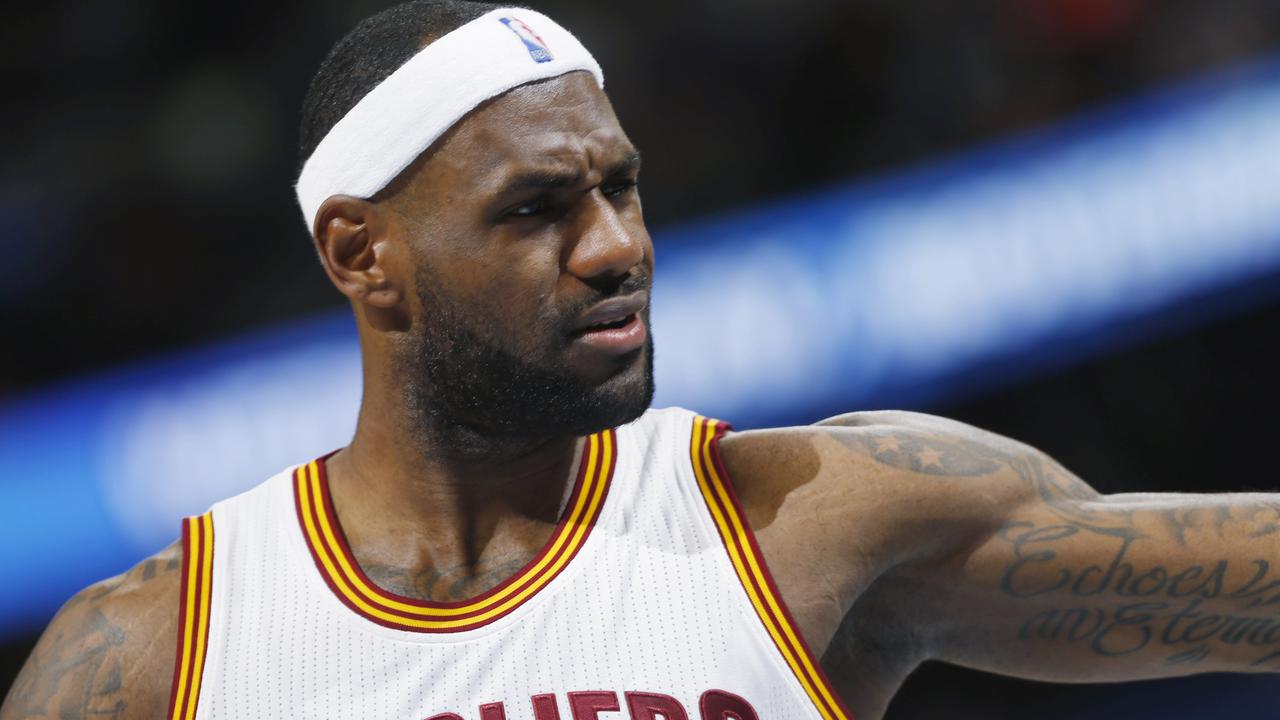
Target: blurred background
{"type": "Point", "coordinates": [1057, 219]}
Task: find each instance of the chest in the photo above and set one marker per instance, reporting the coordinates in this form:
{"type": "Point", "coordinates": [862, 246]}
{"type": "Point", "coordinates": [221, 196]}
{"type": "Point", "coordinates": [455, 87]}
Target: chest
{"type": "Point", "coordinates": [651, 598]}
{"type": "Point", "coordinates": [637, 614]}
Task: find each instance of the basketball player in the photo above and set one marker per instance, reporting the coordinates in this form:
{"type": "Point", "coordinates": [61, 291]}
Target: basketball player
{"type": "Point", "coordinates": [512, 533]}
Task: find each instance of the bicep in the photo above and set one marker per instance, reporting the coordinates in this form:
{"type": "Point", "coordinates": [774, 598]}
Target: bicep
{"type": "Point", "coordinates": [843, 504]}
{"type": "Point", "coordinates": [108, 652]}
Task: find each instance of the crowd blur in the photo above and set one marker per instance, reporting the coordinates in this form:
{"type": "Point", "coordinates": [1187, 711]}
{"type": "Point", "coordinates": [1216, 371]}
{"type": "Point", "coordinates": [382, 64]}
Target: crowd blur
{"type": "Point", "coordinates": [146, 182]}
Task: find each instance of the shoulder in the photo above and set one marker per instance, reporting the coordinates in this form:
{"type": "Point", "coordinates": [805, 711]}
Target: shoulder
{"type": "Point", "coordinates": [886, 451]}
{"type": "Point", "coordinates": [895, 439]}
{"type": "Point", "coordinates": [109, 651]}
{"type": "Point", "coordinates": [887, 477]}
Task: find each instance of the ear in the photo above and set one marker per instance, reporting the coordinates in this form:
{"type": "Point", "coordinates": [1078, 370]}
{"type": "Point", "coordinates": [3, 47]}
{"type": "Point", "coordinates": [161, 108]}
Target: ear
{"type": "Point", "coordinates": [353, 244]}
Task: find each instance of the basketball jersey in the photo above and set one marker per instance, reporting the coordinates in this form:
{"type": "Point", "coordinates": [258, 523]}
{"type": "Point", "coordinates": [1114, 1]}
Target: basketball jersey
{"type": "Point", "coordinates": [650, 599]}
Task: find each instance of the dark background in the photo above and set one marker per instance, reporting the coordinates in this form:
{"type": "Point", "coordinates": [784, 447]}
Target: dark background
{"type": "Point", "coordinates": [150, 153]}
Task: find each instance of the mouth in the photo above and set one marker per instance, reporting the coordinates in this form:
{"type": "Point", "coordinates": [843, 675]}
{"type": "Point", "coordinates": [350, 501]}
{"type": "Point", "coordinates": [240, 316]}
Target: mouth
{"type": "Point", "coordinates": [615, 325]}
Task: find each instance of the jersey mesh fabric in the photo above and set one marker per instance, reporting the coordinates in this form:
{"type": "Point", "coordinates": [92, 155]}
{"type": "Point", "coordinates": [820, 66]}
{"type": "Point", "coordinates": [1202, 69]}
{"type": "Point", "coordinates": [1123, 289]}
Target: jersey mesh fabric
{"type": "Point", "coordinates": [649, 604]}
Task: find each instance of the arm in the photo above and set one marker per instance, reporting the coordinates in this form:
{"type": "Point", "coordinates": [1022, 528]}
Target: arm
{"type": "Point", "coordinates": [991, 555]}
{"type": "Point", "coordinates": [1045, 578]}
{"type": "Point", "coordinates": [109, 651]}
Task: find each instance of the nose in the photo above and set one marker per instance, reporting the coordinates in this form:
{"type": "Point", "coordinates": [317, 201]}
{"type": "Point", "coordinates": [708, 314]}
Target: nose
{"type": "Point", "coordinates": [604, 248]}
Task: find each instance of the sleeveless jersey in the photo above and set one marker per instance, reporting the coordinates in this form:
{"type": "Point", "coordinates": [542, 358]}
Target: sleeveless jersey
{"type": "Point", "coordinates": [650, 598]}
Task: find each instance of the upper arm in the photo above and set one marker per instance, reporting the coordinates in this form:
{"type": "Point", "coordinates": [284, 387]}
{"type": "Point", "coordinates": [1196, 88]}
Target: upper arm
{"type": "Point", "coordinates": [839, 506]}
{"type": "Point", "coordinates": [889, 488]}
{"type": "Point", "coordinates": [109, 652]}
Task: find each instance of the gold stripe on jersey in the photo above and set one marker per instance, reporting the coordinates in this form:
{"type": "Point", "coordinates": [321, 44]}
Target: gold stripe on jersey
{"type": "Point", "coordinates": [750, 567]}
{"type": "Point", "coordinates": [342, 573]}
{"type": "Point", "coordinates": [193, 616]}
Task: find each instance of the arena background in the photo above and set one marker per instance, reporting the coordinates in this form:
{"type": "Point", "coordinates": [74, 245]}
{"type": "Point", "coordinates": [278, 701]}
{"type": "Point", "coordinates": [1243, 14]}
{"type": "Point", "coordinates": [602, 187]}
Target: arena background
{"type": "Point", "coordinates": [1057, 219]}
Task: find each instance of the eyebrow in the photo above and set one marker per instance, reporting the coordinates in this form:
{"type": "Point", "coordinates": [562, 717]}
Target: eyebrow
{"type": "Point", "coordinates": [553, 180]}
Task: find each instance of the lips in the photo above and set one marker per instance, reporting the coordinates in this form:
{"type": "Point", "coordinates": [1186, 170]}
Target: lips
{"type": "Point", "coordinates": [615, 325]}
{"type": "Point", "coordinates": [611, 314]}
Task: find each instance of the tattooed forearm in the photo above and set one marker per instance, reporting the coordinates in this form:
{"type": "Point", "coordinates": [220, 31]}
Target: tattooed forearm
{"type": "Point", "coordinates": [1034, 553]}
{"type": "Point", "coordinates": [1184, 632]}
{"type": "Point", "coordinates": [1120, 606]}
{"type": "Point", "coordinates": [1029, 570]}
{"type": "Point", "coordinates": [1261, 517]}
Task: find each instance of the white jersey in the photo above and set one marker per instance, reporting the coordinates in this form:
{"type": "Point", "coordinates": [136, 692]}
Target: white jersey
{"type": "Point", "coordinates": [649, 599]}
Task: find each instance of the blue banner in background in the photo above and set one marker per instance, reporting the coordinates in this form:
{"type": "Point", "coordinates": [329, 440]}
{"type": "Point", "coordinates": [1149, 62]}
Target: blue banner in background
{"type": "Point", "coordinates": [912, 287]}
{"type": "Point", "coordinates": [1018, 251]}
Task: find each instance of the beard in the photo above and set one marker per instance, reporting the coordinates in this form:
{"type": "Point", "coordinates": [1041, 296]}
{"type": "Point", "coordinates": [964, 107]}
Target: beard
{"type": "Point", "coordinates": [470, 393]}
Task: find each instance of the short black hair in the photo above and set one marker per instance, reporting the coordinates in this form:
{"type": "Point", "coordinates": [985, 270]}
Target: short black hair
{"type": "Point", "coordinates": [374, 49]}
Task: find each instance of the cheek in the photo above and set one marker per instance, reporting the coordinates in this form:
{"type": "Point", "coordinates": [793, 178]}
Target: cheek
{"type": "Point", "coordinates": [505, 288]}
{"type": "Point", "coordinates": [520, 303]}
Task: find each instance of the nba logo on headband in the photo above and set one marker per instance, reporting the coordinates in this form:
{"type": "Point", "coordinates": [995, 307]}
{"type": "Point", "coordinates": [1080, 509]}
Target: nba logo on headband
{"type": "Point", "coordinates": [537, 48]}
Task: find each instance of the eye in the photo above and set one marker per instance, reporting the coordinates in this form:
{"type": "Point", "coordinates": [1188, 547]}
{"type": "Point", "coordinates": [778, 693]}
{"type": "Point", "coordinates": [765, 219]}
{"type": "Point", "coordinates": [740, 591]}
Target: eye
{"type": "Point", "coordinates": [533, 208]}
{"type": "Point", "coordinates": [618, 187]}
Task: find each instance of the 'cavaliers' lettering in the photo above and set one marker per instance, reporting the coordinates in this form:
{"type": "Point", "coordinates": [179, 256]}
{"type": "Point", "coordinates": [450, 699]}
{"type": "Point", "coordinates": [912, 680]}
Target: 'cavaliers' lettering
{"type": "Point", "coordinates": [721, 705]}
{"type": "Point", "coordinates": [587, 705]}
{"type": "Point", "coordinates": [649, 706]}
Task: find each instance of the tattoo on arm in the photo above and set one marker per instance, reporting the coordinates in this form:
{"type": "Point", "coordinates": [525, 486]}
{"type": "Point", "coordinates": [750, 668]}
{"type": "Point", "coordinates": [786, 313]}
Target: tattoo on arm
{"type": "Point", "coordinates": [78, 676]}
{"type": "Point", "coordinates": [77, 671]}
{"type": "Point", "coordinates": [953, 455]}
{"type": "Point", "coordinates": [1120, 606]}
{"type": "Point", "coordinates": [1117, 608]}
{"type": "Point", "coordinates": [924, 453]}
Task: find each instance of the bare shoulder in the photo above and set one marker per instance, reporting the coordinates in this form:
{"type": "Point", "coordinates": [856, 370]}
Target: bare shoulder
{"type": "Point", "coordinates": [884, 480]}
{"type": "Point", "coordinates": [917, 442]}
{"type": "Point", "coordinates": [109, 651]}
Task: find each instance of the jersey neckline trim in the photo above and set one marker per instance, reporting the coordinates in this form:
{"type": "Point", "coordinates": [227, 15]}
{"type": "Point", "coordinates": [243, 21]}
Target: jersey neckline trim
{"type": "Point", "coordinates": [328, 546]}
{"type": "Point", "coordinates": [749, 565]}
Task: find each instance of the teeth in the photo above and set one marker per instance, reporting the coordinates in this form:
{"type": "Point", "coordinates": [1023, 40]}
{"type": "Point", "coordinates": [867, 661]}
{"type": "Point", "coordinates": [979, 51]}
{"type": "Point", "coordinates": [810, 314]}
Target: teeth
{"type": "Point", "coordinates": [607, 323]}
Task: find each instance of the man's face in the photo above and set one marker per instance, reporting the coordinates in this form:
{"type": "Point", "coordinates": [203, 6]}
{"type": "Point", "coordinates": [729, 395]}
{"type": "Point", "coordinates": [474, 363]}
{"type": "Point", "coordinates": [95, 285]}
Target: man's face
{"type": "Point", "coordinates": [532, 268]}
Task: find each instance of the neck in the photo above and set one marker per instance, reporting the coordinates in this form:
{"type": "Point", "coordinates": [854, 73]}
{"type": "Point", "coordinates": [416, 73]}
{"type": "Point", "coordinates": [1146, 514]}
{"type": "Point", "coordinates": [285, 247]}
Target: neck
{"type": "Point", "coordinates": [414, 504]}
{"type": "Point", "coordinates": [436, 478]}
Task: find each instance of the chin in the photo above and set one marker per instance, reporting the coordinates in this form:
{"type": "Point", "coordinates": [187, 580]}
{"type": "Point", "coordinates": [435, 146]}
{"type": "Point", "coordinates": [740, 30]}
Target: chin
{"type": "Point", "coordinates": [621, 398]}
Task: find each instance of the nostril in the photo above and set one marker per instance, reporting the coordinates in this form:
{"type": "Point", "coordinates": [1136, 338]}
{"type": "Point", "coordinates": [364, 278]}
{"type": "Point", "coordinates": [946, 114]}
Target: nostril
{"type": "Point", "coordinates": [606, 284]}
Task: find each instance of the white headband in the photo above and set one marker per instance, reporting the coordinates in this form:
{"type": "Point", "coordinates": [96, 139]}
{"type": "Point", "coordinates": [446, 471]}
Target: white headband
{"type": "Point", "coordinates": [400, 118]}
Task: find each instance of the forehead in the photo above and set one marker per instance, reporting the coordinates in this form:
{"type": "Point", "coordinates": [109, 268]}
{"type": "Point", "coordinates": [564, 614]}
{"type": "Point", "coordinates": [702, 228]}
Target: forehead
{"type": "Point", "coordinates": [562, 121]}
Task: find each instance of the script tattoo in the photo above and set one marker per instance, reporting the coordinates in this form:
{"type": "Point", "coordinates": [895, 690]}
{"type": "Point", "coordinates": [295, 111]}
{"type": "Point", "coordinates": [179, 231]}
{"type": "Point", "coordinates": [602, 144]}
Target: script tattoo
{"type": "Point", "coordinates": [1116, 608]}
{"type": "Point", "coordinates": [446, 584]}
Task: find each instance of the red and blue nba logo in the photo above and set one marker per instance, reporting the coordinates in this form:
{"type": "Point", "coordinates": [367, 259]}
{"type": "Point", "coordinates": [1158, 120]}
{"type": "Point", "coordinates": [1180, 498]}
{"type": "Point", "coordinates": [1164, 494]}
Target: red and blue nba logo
{"type": "Point", "coordinates": [534, 44]}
